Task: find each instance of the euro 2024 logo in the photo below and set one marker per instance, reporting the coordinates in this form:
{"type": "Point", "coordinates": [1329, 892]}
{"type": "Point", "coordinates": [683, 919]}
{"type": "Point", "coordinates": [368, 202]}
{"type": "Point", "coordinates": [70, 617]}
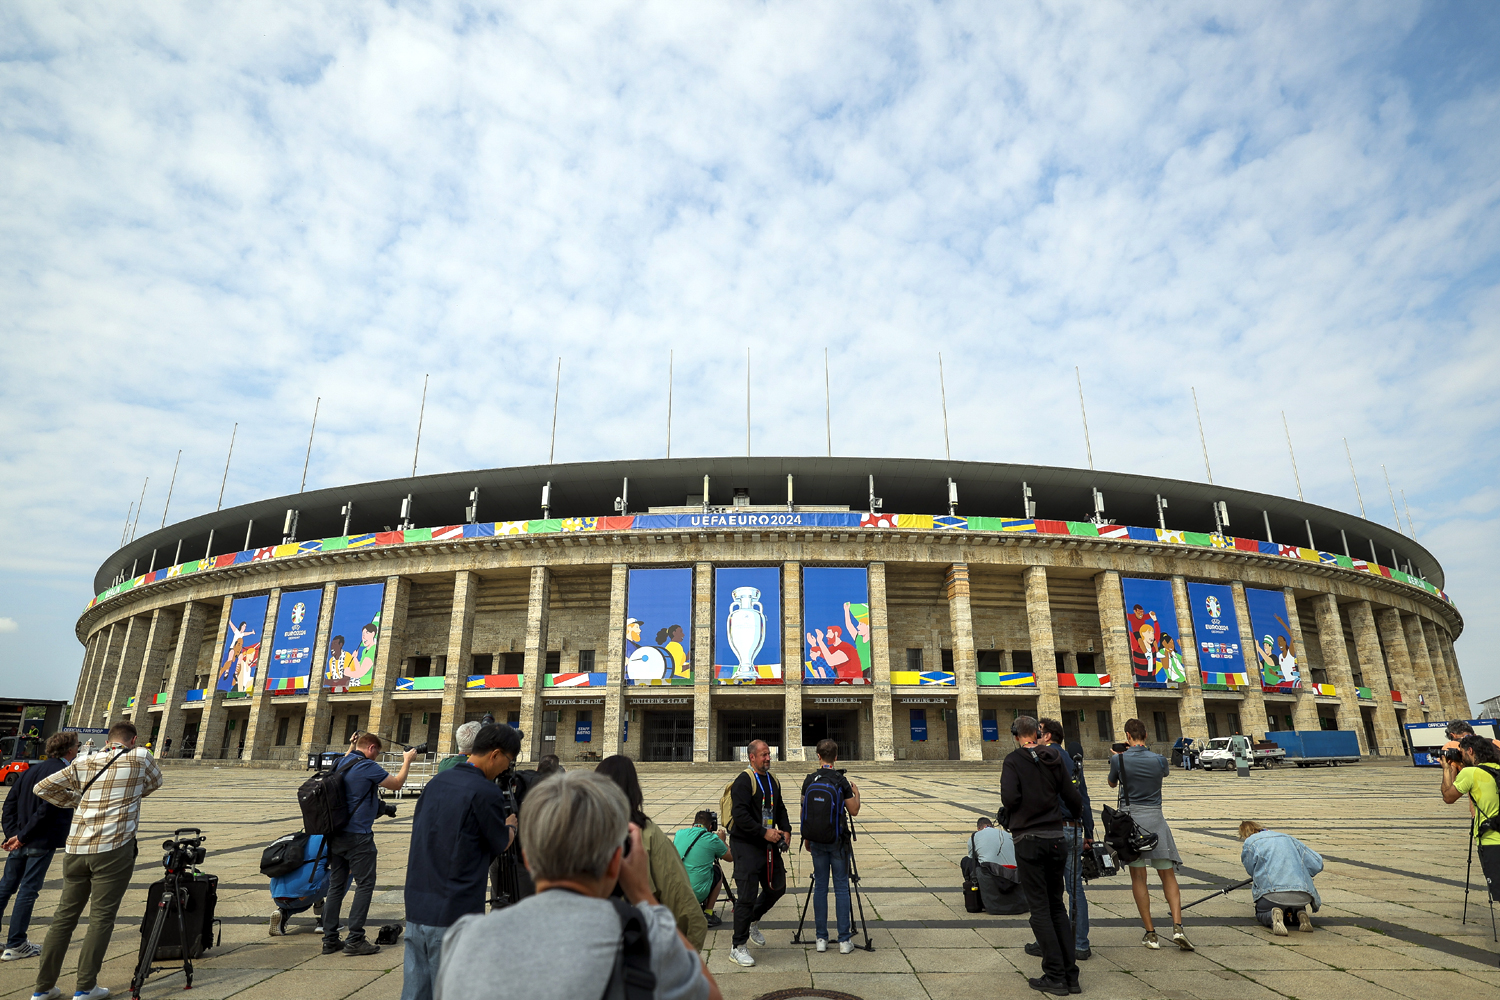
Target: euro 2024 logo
{"type": "Point", "coordinates": [299, 612]}
{"type": "Point", "coordinates": [1213, 606]}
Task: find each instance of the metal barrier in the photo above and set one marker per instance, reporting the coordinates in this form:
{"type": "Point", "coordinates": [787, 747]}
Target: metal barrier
{"type": "Point", "coordinates": [423, 767]}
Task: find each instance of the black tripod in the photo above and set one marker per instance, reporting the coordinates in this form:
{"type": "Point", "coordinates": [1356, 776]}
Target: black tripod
{"type": "Point", "coordinates": [182, 855]}
{"type": "Point", "coordinates": [853, 867]}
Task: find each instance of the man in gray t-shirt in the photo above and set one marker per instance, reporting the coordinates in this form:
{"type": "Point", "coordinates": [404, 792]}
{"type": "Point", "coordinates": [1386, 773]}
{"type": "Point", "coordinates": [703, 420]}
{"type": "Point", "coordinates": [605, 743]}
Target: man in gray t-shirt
{"type": "Point", "coordinates": [562, 942]}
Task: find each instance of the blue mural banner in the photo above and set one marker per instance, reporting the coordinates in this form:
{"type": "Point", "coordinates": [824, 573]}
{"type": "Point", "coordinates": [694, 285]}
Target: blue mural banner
{"type": "Point", "coordinates": [661, 522]}
{"type": "Point", "coordinates": [747, 625]}
{"type": "Point", "coordinates": [240, 654]}
{"type": "Point", "coordinates": [1217, 629]}
{"type": "Point", "coordinates": [1151, 621]}
{"type": "Point", "coordinates": [1276, 649]}
{"type": "Point", "coordinates": [353, 638]}
{"type": "Point", "coordinates": [658, 615]}
{"type": "Point", "coordinates": [836, 625]}
{"type": "Point", "coordinates": [290, 668]}
{"type": "Point", "coordinates": [918, 725]}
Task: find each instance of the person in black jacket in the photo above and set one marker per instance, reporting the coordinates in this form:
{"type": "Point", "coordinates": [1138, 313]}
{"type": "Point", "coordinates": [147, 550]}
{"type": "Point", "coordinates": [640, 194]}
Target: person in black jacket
{"type": "Point", "coordinates": [759, 831]}
{"type": "Point", "coordinates": [34, 830]}
{"type": "Point", "coordinates": [1079, 834]}
{"type": "Point", "coordinates": [1037, 793]}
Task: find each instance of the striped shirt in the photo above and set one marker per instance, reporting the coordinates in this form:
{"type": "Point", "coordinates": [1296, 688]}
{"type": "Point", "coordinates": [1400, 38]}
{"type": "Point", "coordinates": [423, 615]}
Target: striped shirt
{"type": "Point", "coordinates": [106, 817]}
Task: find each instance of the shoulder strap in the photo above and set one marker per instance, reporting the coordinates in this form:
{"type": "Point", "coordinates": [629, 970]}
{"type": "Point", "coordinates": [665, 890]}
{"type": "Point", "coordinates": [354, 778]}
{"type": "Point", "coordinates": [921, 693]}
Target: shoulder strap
{"type": "Point", "coordinates": [694, 844]}
{"type": "Point", "coordinates": [1124, 785]}
{"type": "Point", "coordinates": [633, 959]}
{"type": "Point", "coordinates": [99, 773]}
{"type": "Point", "coordinates": [973, 851]}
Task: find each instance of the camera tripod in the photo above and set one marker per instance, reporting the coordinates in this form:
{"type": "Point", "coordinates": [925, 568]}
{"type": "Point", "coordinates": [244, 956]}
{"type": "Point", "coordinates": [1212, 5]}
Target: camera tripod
{"type": "Point", "coordinates": [812, 882]}
{"type": "Point", "coordinates": [1468, 870]}
{"type": "Point", "coordinates": [182, 855]}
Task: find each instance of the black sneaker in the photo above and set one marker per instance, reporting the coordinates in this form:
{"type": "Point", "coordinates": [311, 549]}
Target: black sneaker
{"type": "Point", "coordinates": [1084, 954]}
{"type": "Point", "coordinates": [714, 919]}
{"type": "Point", "coordinates": [1033, 949]}
{"type": "Point", "coordinates": [1053, 986]}
{"type": "Point", "coordinates": [361, 947]}
{"type": "Point", "coordinates": [332, 947]}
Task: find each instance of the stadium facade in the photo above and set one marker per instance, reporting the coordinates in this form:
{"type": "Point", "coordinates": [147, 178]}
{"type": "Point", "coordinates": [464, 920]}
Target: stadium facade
{"type": "Point", "coordinates": [686, 606]}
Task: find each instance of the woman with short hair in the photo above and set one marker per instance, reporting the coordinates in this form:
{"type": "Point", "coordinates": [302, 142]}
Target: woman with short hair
{"type": "Point", "coordinates": [1138, 773]}
{"type": "Point", "coordinates": [1282, 868]}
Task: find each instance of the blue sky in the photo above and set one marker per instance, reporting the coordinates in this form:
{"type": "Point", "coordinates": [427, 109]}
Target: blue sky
{"type": "Point", "coordinates": [215, 215]}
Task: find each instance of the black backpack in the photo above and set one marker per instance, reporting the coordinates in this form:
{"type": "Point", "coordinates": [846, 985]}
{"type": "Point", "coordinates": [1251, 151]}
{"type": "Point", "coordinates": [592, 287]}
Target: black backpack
{"type": "Point", "coordinates": [325, 806]}
{"type": "Point", "coordinates": [823, 809]}
{"type": "Point", "coordinates": [285, 855]}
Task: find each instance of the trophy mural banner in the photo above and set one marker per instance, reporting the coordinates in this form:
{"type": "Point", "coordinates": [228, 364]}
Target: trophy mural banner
{"type": "Point", "coordinates": [1276, 650]}
{"type": "Point", "coordinates": [836, 625]}
{"type": "Point", "coordinates": [658, 615]}
{"type": "Point", "coordinates": [1151, 621]}
{"type": "Point", "coordinates": [290, 667]}
{"type": "Point", "coordinates": [242, 641]}
{"type": "Point", "coordinates": [747, 625]}
{"type": "Point", "coordinates": [353, 638]}
{"type": "Point", "coordinates": [1217, 628]}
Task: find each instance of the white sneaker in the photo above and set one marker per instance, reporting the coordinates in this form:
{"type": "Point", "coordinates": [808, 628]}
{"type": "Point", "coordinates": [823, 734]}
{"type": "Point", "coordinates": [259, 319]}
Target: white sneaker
{"type": "Point", "coordinates": [845, 947]}
{"type": "Point", "coordinates": [756, 937]}
{"type": "Point", "coordinates": [53, 994]}
{"type": "Point", "coordinates": [822, 944]}
{"type": "Point", "coordinates": [741, 956]}
{"type": "Point", "coordinates": [278, 922]}
{"type": "Point", "coordinates": [27, 950]}
{"type": "Point", "coordinates": [97, 993]}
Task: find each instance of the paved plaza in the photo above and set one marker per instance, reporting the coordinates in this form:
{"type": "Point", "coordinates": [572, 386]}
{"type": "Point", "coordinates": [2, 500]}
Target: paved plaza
{"type": "Point", "coordinates": [1393, 891]}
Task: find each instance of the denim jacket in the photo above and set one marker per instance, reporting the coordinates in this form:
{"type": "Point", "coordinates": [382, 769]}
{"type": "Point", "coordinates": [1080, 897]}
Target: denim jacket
{"type": "Point", "coordinates": [1281, 863]}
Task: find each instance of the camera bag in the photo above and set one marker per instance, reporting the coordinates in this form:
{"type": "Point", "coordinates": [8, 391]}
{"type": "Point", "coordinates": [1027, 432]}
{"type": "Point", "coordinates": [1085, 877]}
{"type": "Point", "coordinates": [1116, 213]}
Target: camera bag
{"type": "Point", "coordinates": [197, 918]}
{"type": "Point", "coordinates": [970, 869]}
{"type": "Point", "coordinates": [823, 808]}
{"type": "Point", "coordinates": [284, 855]}
{"type": "Point", "coordinates": [324, 801]}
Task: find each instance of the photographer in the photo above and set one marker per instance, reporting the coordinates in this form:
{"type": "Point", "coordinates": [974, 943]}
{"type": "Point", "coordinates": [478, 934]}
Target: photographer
{"type": "Point", "coordinates": [1283, 868]}
{"type": "Point", "coordinates": [351, 851]}
{"type": "Point", "coordinates": [700, 847]}
{"type": "Point", "coordinates": [105, 792]}
{"type": "Point", "coordinates": [1473, 774]}
{"type": "Point", "coordinates": [1037, 794]}
{"type": "Point", "coordinates": [460, 824]}
{"type": "Point", "coordinates": [34, 830]}
{"type": "Point", "coordinates": [1079, 834]}
{"type": "Point", "coordinates": [832, 857]}
{"type": "Point", "coordinates": [563, 943]}
{"type": "Point", "coordinates": [761, 832]}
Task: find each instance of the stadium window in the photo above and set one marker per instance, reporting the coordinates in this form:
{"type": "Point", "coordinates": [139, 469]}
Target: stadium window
{"type": "Point", "coordinates": [554, 662]}
{"type": "Point", "coordinates": [1106, 724]}
{"type": "Point", "coordinates": [1234, 722]}
{"type": "Point", "coordinates": [947, 659]}
{"type": "Point", "coordinates": [1062, 662]}
{"type": "Point", "coordinates": [1290, 725]}
{"type": "Point", "coordinates": [1020, 661]}
{"type": "Point", "coordinates": [421, 666]}
{"type": "Point", "coordinates": [1160, 718]}
{"type": "Point", "coordinates": [512, 663]}
{"type": "Point", "coordinates": [1213, 725]}
{"type": "Point", "coordinates": [403, 728]}
{"type": "Point", "coordinates": [440, 666]}
{"type": "Point", "coordinates": [585, 661]}
{"type": "Point", "coordinates": [989, 660]}
{"type": "Point", "coordinates": [281, 727]}
{"type": "Point", "coordinates": [513, 720]}
{"type": "Point", "coordinates": [351, 726]}
{"type": "Point", "coordinates": [549, 725]}
{"type": "Point", "coordinates": [914, 660]}
{"type": "Point", "coordinates": [1085, 663]}
{"type": "Point", "coordinates": [481, 663]}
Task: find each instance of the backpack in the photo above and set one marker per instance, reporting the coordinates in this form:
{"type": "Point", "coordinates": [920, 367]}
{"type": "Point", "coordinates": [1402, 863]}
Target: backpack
{"type": "Point", "coordinates": [823, 809]}
{"type": "Point", "coordinates": [309, 878]}
{"type": "Point", "coordinates": [324, 802]}
{"type": "Point", "coordinates": [726, 803]}
{"type": "Point", "coordinates": [285, 855]}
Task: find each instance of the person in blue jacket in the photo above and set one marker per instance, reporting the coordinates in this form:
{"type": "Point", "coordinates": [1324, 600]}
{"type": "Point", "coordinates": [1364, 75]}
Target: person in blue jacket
{"type": "Point", "coordinates": [305, 887]}
{"type": "Point", "coordinates": [1283, 868]}
{"type": "Point", "coordinates": [34, 830]}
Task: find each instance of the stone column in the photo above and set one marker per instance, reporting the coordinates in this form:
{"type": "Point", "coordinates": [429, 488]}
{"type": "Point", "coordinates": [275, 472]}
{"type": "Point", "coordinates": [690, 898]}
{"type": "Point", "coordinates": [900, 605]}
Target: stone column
{"type": "Point", "coordinates": [1191, 714]}
{"type": "Point", "coordinates": [1367, 646]}
{"type": "Point", "coordinates": [538, 611]}
{"type": "Point", "coordinates": [614, 662]}
{"type": "Point", "coordinates": [703, 660]}
{"type": "Point", "coordinates": [97, 641]}
{"type": "Point", "coordinates": [128, 672]}
{"type": "Point", "coordinates": [258, 727]}
{"type": "Point", "coordinates": [1398, 657]}
{"type": "Point", "coordinates": [387, 665]}
{"type": "Point", "coordinates": [181, 670]}
{"type": "Point", "coordinates": [1416, 644]}
{"type": "Point", "coordinates": [791, 657]}
{"type": "Point", "coordinates": [1116, 643]}
{"type": "Point", "coordinates": [1456, 677]}
{"type": "Point", "coordinates": [315, 718]}
{"type": "Point", "coordinates": [1305, 714]}
{"type": "Point", "coordinates": [103, 677]}
{"type": "Point", "coordinates": [1451, 707]}
{"type": "Point", "coordinates": [1336, 662]}
{"type": "Point", "coordinates": [965, 663]}
{"type": "Point", "coordinates": [1253, 709]}
{"type": "Point", "coordinates": [460, 653]}
{"type": "Point", "coordinates": [1043, 659]}
{"type": "Point", "coordinates": [164, 624]}
{"type": "Point", "coordinates": [880, 670]}
{"type": "Point", "coordinates": [215, 713]}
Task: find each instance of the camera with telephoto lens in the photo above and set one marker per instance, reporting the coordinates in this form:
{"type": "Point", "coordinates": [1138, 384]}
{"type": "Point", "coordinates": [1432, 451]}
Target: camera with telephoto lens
{"type": "Point", "coordinates": [383, 808]}
{"type": "Point", "coordinates": [1452, 754]}
{"type": "Point", "coordinates": [713, 821]}
{"type": "Point", "coordinates": [183, 852]}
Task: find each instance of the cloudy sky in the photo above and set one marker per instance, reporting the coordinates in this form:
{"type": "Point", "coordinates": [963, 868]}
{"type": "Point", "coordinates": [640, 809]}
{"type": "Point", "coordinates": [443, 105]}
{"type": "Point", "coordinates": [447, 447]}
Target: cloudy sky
{"type": "Point", "coordinates": [213, 214]}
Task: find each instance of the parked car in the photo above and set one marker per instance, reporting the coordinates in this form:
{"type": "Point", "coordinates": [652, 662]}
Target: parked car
{"type": "Point", "coordinates": [1217, 756]}
{"type": "Point", "coordinates": [17, 754]}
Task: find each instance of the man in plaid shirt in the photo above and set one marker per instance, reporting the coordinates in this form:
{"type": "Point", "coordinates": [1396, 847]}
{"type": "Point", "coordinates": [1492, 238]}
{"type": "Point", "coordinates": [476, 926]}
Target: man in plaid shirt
{"type": "Point", "coordinates": [99, 854]}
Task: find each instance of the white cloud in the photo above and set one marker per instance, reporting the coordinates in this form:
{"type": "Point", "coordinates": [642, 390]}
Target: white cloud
{"type": "Point", "coordinates": [8, 625]}
{"type": "Point", "coordinates": [215, 217]}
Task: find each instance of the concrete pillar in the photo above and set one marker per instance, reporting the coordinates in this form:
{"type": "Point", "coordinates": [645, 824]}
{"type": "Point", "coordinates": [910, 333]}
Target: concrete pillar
{"type": "Point", "coordinates": [181, 669]}
{"type": "Point", "coordinates": [215, 712]}
{"type": "Point", "coordinates": [164, 624]}
{"type": "Point", "coordinates": [259, 731]}
{"type": "Point", "coordinates": [1043, 659]}
{"type": "Point", "coordinates": [880, 670]}
{"type": "Point", "coordinates": [91, 653]}
{"type": "Point", "coordinates": [103, 677]}
{"type": "Point", "coordinates": [460, 653]}
{"type": "Point", "coordinates": [1191, 714]}
{"type": "Point", "coordinates": [1336, 662]}
{"type": "Point", "coordinates": [703, 659]}
{"type": "Point", "coordinates": [1398, 658]}
{"type": "Point", "coordinates": [1253, 709]}
{"type": "Point", "coordinates": [965, 663]}
{"type": "Point", "coordinates": [538, 611]}
{"type": "Point", "coordinates": [1372, 663]}
{"type": "Point", "coordinates": [1305, 714]}
{"type": "Point", "coordinates": [1416, 645]}
{"type": "Point", "coordinates": [1453, 708]}
{"type": "Point", "coordinates": [1455, 676]}
{"type": "Point", "coordinates": [614, 663]}
{"type": "Point", "coordinates": [127, 670]}
{"type": "Point", "coordinates": [387, 665]}
{"type": "Point", "coordinates": [317, 711]}
{"type": "Point", "coordinates": [1116, 643]}
{"type": "Point", "coordinates": [791, 657]}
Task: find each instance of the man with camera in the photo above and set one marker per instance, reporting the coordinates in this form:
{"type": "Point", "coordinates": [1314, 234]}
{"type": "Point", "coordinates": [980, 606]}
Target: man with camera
{"type": "Point", "coordinates": [700, 847]}
{"type": "Point", "coordinates": [1471, 770]}
{"type": "Point", "coordinates": [1038, 796]}
{"type": "Point", "coordinates": [1079, 835]}
{"type": "Point", "coordinates": [761, 833]}
{"type": "Point", "coordinates": [460, 824]}
{"type": "Point", "coordinates": [105, 792]}
{"type": "Point", "coordinates": [826, 837]}
{"type": "Point", "coordinates": [351, 851]}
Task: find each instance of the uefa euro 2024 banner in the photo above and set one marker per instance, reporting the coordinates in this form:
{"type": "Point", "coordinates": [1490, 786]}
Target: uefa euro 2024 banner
{"type": "Point", "coordinates": [1217, 629]}
{"type": "Point", "coordinates": [747, 625]}
{"type": "Point", "coordinates": [1276, 649]}
{"type": "Point", "coordinates": [241, 652]}
{"type": "Point", "coordinates": [836, 625]}
{"type": "Point", "coordinates": [290, 668]}
{"type": "Point", "coordinates": [1151, 620]}
{"type": "Point", "coordinates": [353, 638]}
{"type": "Point", "coordinates": [658, 614]}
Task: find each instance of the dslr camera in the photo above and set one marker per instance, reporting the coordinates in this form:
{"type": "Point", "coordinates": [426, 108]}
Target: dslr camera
{"type": "Point", "coordinates": [1453, 754]}
{"type": "Point", "coordinates": [384, 808]}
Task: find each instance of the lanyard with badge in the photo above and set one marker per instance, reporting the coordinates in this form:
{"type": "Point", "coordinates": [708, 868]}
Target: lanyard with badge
{"type": "Point", "coordinates": [767, 801]}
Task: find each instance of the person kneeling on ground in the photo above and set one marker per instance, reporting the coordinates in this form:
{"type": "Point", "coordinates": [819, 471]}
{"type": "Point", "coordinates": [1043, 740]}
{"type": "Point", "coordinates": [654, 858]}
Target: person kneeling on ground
{"type": "Point", "coordinates": [562, 943]}
{"type": "Point", "coordinates": [701, 846]}
{"type": "Point", "coordinates": [1283, 868]}
{"type": "Point", "coordinates": [994, 854]}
